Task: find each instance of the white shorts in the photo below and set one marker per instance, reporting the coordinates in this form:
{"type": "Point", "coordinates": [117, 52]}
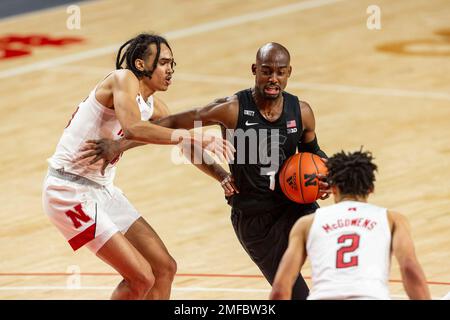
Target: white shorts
{"type": "Point", "coordinates": [84, 213]}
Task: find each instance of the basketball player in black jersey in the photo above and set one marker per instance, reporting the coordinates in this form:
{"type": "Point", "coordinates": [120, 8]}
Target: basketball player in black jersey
{"type": "Point", "coordinates": [262, 216]}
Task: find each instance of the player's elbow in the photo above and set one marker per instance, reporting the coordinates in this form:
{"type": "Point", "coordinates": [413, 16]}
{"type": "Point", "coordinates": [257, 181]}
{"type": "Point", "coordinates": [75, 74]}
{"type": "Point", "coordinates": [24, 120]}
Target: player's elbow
{"type": "Point", "coordinates": [410, 268]}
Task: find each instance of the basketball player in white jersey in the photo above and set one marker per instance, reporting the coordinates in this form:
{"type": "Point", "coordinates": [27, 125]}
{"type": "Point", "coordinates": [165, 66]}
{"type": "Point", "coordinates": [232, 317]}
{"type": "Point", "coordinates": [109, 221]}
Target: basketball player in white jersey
{"type": "Point", "coordinates": [82, 201]}
{"type": "Point", "coordinates": [350, 243]}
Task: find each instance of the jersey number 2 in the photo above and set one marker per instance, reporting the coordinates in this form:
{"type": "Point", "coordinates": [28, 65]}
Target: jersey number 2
{"type": "Point", "coordinates": [351, 247]}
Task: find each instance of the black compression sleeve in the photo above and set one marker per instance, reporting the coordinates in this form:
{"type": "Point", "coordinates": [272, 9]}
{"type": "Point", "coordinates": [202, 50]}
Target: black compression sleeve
{"type": "Point", "coordinates": [312, 147]}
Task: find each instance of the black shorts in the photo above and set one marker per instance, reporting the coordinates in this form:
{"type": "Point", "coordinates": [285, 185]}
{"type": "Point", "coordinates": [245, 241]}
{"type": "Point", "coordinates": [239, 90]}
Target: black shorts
{"type": "Point", "coordinates": [264, 234]}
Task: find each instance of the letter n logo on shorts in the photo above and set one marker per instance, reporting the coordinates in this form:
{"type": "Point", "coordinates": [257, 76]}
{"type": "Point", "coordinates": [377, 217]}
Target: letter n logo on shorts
{"type": "Point", "coordinates": [84, 236]}
{"type": "Point", "coordinates": [77, 216]}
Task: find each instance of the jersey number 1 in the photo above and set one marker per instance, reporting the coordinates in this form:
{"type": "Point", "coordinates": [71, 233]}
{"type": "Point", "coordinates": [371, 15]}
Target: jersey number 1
{"type": "Point", "coordinates": [271, 175]}
{"type": "Point", "coordinates": [351, 247]}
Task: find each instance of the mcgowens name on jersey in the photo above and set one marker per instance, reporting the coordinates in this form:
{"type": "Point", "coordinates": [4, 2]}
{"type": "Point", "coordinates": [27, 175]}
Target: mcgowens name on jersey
{"type": "Point", "coordinates": [343, 223]}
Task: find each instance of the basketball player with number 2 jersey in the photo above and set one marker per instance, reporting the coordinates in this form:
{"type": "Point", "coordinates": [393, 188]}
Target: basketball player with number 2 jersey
{"type": "Point", "coordinates": [347, 241]}
{"type": "Point", "coordinates": [349, 244]}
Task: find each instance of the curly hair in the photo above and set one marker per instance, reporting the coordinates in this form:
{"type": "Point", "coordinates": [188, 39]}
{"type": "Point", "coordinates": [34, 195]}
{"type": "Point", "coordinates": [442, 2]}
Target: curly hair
{"type": "Point", "coordinates": [353, 173]}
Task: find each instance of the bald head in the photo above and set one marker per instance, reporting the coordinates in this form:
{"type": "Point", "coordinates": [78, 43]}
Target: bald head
{"type": "Point", "coordinates": [271, 51]}
{"type": "Point", "coordinates": [272, 70]}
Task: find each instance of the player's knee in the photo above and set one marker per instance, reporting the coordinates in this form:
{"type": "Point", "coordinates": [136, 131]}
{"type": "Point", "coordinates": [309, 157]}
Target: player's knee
{"type": "Point", "coordinates": [173, 267]}
{"type": "Point", "coordinates": [142, 282]}
{"type": "Point", "coordinates": [166, 268]}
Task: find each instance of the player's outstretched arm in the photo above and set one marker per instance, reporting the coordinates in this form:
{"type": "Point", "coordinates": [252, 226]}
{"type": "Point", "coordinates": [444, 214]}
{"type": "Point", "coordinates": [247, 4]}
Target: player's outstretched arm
{"type": "Point", "coordinates": [108, 149]}
{"type": "Point", "coordinates": [220, 111]}
{"type": "Point", "coordinates": [217, 112]}
{"type": "Point", "coordinates": [112, 148]}
{"type": "Point", "coordinates": [160, 110]}
{"type": "Point", "coordinates": [414, 280]}
{"type": "Point", "coordinates": [139, 132]}
{"type": "Point", "coordinates": [125, 90]}
{"type": "Point", "coordinates": [291, 263]}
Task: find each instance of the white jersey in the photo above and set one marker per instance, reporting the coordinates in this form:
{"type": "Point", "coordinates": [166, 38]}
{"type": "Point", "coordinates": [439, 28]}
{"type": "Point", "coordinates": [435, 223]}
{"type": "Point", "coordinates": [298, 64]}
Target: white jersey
{"type": "Point", "coordinates": [92, 120]}
{"type": "Point", "coordinates": [349, 247]}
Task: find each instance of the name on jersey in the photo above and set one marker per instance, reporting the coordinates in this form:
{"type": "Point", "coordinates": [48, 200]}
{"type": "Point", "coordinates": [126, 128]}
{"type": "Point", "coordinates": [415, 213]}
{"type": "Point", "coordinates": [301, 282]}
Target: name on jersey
{"type": "Point", "coordinates": [249, 113]}
{"type": "Point", "coordinates": [357, 222]}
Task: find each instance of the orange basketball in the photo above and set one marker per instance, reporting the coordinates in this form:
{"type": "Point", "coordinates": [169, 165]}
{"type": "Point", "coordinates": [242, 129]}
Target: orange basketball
{"type": "Point", "coordinates": [298, 179]}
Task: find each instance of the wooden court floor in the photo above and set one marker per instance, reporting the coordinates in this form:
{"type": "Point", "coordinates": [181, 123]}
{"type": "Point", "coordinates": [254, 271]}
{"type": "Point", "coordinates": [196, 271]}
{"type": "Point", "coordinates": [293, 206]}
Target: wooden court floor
{"type": "Point", "coordinates": [387, 89]}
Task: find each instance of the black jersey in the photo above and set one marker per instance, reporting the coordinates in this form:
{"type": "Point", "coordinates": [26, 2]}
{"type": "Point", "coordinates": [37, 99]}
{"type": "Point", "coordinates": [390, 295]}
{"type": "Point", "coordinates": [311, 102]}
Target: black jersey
{"type": "Point", "coordinates": [262, 147]}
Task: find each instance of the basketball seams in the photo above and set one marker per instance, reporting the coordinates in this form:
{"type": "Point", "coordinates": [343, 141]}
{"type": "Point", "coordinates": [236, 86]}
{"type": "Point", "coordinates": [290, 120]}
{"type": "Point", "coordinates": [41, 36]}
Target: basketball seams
{"type": "Point", "coordinates": [300, 176]}
{"type": "Point", "coordinates": [317, 170]}
{"type": "Point", "coordinates": [281, 176]}
{"type": "Point", "coordinates": [286, 165]}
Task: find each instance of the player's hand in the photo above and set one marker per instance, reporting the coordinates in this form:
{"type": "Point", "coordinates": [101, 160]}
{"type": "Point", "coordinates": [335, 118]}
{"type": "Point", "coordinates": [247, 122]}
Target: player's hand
{"type": "Point", "coordinates": [324, 186]}
{"type": "Point", "coordinates": [220, 147]}
{"type": "Point", "coordinates": [103, 149]}
{"type": "Point", "coordinates": [228, 185]}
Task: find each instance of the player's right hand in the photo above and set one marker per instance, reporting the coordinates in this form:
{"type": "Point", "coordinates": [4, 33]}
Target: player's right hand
{"type": "Point", "coordinates": [324, 187]}
{"type": "Point", "coordinates": [220, 147]}
{"type": "Point", "coordinates": [103, 149]}
{"type": "Point", "coordinates": [228, 185]}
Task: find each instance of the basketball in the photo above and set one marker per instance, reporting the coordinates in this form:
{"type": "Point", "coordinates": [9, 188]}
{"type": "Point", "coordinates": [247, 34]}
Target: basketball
{"type": "Point", "coordinates": [298, 177]}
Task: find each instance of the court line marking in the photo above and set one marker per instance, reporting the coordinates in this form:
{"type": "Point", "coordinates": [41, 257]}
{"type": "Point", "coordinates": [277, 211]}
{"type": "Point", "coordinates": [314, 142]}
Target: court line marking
{"type": "Point", "coordinates": [324, 87]}
{"type": "Point", "coordinates": [98, 288]}
{"type": "Point", "coordinates": [176, 34]}
{"type": "Point", "coordinates": [180, 289]}
{"type": "Point", "coordinates": [191, 275]}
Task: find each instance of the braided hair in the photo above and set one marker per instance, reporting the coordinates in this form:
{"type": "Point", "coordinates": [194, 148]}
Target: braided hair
{"type": "Point", "coordinates": [139, 48]}
{"type": "Point", "coordinates": [353, 173]}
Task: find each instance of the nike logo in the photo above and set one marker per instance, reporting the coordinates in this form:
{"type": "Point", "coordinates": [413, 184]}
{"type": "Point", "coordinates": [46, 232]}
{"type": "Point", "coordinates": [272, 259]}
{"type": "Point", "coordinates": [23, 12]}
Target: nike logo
{"type": "Point", "coordinates": [250, 123]}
